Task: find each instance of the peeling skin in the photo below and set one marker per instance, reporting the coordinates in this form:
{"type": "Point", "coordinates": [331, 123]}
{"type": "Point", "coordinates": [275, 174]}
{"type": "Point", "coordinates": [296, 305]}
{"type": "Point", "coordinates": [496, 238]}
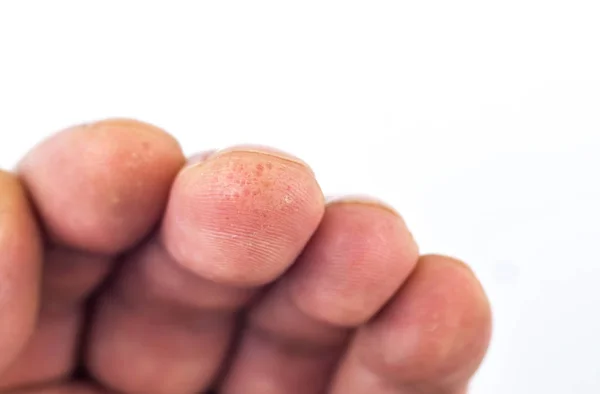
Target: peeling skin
{"type": "Point", "coordinates": [246, 193]}
{"type": "Point", "coordinates": [245, 180]}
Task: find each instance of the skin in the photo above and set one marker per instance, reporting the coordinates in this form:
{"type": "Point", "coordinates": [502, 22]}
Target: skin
{"type": "Point", "coordinates": [230, 272]}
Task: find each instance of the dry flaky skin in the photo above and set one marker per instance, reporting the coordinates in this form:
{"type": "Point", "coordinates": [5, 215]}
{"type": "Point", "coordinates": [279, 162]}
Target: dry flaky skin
{"type": "Point", "coordinates": [335, 296]}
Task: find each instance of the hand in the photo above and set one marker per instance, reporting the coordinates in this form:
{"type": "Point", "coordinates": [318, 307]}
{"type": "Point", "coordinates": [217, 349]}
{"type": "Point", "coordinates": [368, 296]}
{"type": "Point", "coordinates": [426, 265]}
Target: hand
{"type": "Point", "coordinates": [123, 267]}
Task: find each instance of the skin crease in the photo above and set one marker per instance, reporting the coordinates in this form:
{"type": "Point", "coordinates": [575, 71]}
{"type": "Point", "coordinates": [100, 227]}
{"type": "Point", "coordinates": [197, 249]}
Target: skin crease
{"type": "Point", "coordinates": [229, 272]}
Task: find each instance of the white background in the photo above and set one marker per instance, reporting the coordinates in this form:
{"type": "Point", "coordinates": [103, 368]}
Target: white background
{"type": "Point", "coordinates": [477, 120]}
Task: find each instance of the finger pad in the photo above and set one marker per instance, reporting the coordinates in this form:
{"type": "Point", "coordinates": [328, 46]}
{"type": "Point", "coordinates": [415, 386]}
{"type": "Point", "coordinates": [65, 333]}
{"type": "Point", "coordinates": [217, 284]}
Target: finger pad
{"type": "Point", "coordinates": [437, 328]}
{"type": "Point", "coordinates": [236, 218]}
{"type": "Point", "coordinates": [354, 263]}
{"type": "Point", "coordinates": [100, 187]}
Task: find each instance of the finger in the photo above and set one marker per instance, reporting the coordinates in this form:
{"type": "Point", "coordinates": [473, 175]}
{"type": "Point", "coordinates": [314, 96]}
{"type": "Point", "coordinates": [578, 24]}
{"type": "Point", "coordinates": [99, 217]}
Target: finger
{"type": "Point", "coordinates": [101, 187]}
{"type": "Point", "coordinates": [20, 269]}
{"type": "Point", "coordinates": [234, 222]}
{"type": "Point", "coordinates": [99, 190]}
{"type": "Point", "coordinates": [354, 263]}
{"type": "Point", "coordinates": [430, 339]}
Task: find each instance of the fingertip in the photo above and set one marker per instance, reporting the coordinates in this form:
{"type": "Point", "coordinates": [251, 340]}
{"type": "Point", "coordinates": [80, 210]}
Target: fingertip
{"type": "Point", "coordinates": [357, 259]}
{"type": "Point", "coordinates": [241, 215]}
{"type": "Point", "coordinates": [438, 328]}
{"type": "Point", "coordinates": [452, 268]}
{"type": "Point", "coordinates": [431, 337]}
{"type": "Point", "coordinates": [101, 187]}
